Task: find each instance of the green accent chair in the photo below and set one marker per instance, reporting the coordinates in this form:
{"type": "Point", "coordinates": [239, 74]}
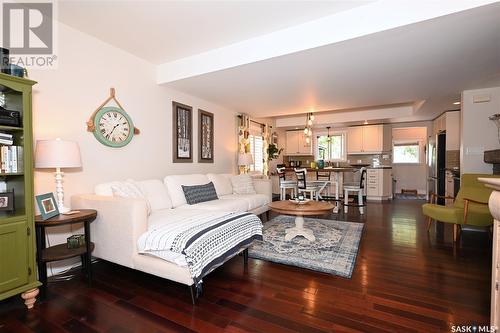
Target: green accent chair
{"type": "Point", "coordinates": [470, 206]}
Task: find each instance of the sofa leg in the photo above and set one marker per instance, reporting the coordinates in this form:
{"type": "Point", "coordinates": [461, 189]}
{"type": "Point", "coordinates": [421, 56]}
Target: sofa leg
{"type": "Point", "coordinates": [245, 256]}
{"type": "Point", "coordinates": [196, 291]}
{"type": "Point", "coordinates": [429, 223]}
{"type": "Point", "coordinates": [194, 294]}
{"type": "Point", "coordinates": [455, 232]}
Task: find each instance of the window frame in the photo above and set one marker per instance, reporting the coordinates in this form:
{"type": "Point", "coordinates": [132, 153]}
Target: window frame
{"type": "Point", "coordinates": [409, 142]}
{"type": "Point", "coordinates": [343, 135]}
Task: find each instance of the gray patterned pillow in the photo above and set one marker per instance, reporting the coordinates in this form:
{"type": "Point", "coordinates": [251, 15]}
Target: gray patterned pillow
{"type": "Point", "coordinates": [199, 193]}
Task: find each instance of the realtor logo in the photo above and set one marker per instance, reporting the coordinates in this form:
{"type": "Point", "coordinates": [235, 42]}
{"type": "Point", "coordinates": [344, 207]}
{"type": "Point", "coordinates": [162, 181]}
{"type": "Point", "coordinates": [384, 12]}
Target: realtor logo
{"type": "Point", "coordinates": [28, 28]}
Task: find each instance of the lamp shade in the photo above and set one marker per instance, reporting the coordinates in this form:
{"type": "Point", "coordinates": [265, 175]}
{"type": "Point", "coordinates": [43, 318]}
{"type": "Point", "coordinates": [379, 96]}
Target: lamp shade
{"type": "Point", "coordinates": [245, 159]}
{"type": "Point", "coordinates": [57, 154]}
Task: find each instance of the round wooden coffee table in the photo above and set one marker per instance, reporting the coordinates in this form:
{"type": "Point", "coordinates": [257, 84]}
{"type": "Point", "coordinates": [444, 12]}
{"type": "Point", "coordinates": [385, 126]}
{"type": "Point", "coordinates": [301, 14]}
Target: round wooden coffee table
{"type": "Point", "coordinates": [310, 208]}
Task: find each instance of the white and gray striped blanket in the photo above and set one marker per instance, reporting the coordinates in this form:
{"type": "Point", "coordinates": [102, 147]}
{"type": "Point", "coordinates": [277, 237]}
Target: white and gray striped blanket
{"type": "Point", "coordinates": [207, 239]}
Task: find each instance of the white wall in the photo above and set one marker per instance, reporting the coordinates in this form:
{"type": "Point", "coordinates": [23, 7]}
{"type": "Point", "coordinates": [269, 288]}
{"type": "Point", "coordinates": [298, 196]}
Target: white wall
{"type": "Point", "coordinates": [64, 99]}
{"type": "Point", "coordinates": [478, 133]}
{"type": "Point", "coordinates": [410, 176]}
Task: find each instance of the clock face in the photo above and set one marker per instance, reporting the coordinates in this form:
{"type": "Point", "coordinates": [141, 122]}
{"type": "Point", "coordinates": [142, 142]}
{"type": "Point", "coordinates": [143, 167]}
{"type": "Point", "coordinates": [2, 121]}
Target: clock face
{"type": "Point", "coordinates": [113, 127]}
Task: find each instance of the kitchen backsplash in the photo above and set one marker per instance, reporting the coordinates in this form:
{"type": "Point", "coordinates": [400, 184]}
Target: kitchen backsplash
{"type": "Point", "coordinates": [384, 159]}
{"type": "Point", "coordinates": [452, 159]}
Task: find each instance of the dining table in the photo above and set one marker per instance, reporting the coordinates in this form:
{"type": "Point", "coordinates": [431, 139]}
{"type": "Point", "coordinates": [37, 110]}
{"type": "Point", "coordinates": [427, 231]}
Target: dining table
{"type": "Point", "coordinates": [339, 176]}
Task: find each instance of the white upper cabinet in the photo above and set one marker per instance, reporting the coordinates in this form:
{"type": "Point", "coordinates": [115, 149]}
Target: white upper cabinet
{"type": "Point", "coordinates": [453, 130]}
{"type": "Point", "coordinates": [368, 139]}
{"type": "Point", "coordinates": [296, 144]}
{"type": "Point", "coordinates": [355, 140]}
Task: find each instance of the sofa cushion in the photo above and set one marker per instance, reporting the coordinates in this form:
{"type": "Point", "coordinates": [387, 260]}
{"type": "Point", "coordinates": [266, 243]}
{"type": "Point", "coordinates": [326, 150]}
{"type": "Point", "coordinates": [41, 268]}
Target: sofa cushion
{"type": "Point", "coordinates": [222, 183]}
{"type": "Point", "coordinates": [253, 200]}
{"type": "Point", "coordinates": [105, 189]}
{"type": "Point", "coordinates": [174, 186]}
{"type": "Point", "coordinates": [242, 184]}
{"type": "Point", "coordinates": [228, 205]}
{"type": "Point", "coordinates": [156, 193]}
{"type": "Point", "coordinates": [129, 189]}
{"type": "Point", "coordinates": [199, 193]}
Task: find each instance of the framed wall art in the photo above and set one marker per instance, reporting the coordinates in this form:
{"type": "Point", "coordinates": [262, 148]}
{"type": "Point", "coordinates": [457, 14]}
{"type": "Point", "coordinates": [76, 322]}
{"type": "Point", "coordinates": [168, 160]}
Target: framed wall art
{"type": "Point", "coordinates": [182, 133]}
{"type": "Point", "coordinates": [47, 205]}
{"type": "Point", "coordinates": [206, 137]}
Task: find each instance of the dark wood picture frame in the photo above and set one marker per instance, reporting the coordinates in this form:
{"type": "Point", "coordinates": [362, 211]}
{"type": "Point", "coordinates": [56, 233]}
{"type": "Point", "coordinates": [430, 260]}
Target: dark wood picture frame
{"type": "Point", "coordinates": [182, 130]}
{"type": "Point", "coordinates": [205, 136]}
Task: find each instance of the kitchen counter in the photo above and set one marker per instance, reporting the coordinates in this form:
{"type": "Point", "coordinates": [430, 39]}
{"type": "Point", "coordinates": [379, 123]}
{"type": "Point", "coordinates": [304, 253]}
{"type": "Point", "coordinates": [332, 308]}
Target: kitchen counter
{"type": "Point", "coordinates": [380, 167]}
{"type": "Point", "coordinates": [326, 169]}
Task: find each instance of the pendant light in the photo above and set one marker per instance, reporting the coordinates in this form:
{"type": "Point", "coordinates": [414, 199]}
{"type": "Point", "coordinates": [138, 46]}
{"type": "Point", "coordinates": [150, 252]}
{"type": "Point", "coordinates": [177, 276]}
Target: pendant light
{"type": "Point", "coordinates": [328, 139]}
{"type": "Point", "coordinates": [308, 127]}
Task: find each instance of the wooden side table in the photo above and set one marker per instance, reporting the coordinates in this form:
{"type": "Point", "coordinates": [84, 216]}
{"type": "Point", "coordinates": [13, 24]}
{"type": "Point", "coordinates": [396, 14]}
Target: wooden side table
{"type": "Point", "coordinates": [59, 252]}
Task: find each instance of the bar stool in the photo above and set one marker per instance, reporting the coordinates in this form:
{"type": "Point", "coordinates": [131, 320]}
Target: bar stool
{"type": "Point", "coordinates": [302, 186]}
{"type": "Point", "coordinates": [286, 184]}
{"type": "Point", "coordinates": [357, 188]}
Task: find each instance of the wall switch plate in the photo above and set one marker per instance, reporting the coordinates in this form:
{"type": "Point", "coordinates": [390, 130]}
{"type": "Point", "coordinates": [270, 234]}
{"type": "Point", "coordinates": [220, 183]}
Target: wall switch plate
{"type": "Point", "coordinates": [482, 98]}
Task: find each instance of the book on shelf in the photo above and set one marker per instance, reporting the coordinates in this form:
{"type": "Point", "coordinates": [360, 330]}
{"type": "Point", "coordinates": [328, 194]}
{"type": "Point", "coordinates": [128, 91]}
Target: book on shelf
{"type": "Point", "coordinates": [6, 139]}
{"type": "Point", "coordinates": [11, 159]}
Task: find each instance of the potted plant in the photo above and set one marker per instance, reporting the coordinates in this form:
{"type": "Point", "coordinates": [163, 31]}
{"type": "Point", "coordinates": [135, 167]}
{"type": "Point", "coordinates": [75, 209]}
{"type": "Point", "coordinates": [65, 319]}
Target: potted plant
{"type": "Point", "coordinates": [273, 152]}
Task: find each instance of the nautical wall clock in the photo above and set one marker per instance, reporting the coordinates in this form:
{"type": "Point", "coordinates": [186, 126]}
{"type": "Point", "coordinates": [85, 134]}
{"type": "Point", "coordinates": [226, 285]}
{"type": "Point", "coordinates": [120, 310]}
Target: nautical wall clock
{"type": "Point", "coordinates": [111, 125]}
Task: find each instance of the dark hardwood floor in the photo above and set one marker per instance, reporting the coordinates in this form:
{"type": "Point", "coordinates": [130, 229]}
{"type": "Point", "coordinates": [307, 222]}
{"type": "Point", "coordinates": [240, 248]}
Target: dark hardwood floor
{"type": "Point", "coordinates": [405, 280]}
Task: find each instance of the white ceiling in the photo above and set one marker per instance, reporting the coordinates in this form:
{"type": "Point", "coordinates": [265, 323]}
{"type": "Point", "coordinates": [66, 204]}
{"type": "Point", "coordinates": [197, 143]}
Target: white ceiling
{"type": "Point", "coordinates": [424, 65]}
{"type": "Point", "coordinates": [431, 61]}
{"type": "Point", "coordinates": [161, 31]}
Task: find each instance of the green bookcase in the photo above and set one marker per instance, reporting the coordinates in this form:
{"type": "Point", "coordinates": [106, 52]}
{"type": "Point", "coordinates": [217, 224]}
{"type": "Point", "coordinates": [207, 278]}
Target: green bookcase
{"type": "Point", "coordinates": [18, 272]}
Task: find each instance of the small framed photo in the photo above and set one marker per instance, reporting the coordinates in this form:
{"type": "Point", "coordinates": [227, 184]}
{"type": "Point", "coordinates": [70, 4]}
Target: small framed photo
{"type": "Point", "coordinates": [47, 205]}
{"type": "Point", "coordinates": [7, 201]}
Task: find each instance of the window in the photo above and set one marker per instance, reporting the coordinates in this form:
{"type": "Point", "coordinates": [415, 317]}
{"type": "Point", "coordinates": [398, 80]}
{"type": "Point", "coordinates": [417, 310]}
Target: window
{"type": "Point", "coordinates": [331, 148]}
{"type": "Point", "coordinates": [257, 151]}
{"type": "Point", "coordinates": [408, 152]}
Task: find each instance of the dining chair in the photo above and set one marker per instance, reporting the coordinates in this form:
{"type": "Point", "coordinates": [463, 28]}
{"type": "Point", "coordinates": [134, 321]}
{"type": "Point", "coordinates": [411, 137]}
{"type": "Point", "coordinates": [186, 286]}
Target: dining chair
{"type": "Point", "coordinates": [304, 187]}
{"type": "Point", "coordinates": [323, 179]}
{"type": "Point", "coordinates": [356, 188]}
{"type": "Point", "coordinates": [286, 184]}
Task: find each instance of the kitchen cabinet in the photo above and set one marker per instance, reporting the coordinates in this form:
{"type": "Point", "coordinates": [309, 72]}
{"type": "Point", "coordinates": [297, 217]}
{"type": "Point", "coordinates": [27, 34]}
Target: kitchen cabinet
{"type": "Point", "coordinates": [449, 122]}
{"type": "Point", "coordinates": [354, 139]}
{"type": "Point", "coordinates": [379, 184]}
{"type": "Point", "coordinates": [296, 144]}
{"type": "Point", "coordinates": [439, 124]}
{"type": "Point", "coordinates": [370, 139]}
{"type": "Point", "coordinates": [452, 130]}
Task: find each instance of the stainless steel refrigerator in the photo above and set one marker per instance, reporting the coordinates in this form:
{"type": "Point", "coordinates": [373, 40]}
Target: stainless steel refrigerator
{"type": "Point", "coordinates": [436, 162]}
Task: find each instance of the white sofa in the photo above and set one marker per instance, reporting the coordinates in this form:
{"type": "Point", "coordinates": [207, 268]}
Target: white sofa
{"type": "Point", "coordinates": [121, 221]}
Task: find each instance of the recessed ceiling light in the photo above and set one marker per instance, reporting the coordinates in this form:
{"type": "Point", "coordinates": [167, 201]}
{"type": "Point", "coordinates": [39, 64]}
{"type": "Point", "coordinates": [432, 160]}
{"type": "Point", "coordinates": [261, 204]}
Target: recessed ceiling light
{"type": "Point", "coordinates": [456, 103]}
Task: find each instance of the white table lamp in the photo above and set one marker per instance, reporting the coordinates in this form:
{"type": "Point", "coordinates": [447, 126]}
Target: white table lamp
{"type": "Point", "coordinates": [58, 154]}
{"type": "Point", "coordinates": [245, 160]}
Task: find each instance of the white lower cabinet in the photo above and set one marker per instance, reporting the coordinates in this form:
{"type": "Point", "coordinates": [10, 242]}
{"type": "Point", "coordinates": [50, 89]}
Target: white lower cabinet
{"type": "Point", "coordinates": [379, 184]}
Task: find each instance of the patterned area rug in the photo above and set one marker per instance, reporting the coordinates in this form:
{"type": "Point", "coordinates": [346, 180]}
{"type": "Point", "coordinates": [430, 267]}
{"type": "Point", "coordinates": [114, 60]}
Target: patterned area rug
{"type": "Point", "coordinates": [333, 252]}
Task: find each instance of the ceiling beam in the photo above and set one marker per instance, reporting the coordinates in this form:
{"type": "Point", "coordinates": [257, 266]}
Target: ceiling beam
{"type": "Point", "coordinates": [363, 20]}
{"type": "Point", "coordinates": [327, 118]}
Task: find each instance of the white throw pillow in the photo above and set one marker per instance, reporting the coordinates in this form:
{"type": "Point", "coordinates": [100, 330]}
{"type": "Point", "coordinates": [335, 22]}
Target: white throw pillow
{"type": "Point", "coordinates": [129, 189]}
{"type": "Point", "coordinates": [155, 191]}
{"type": "Point", "coordinates": [222, 183]}
{"type": "Point", "coordinates": [174, 186]}
{"type": "Point", "coordinates": [242, 184]}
